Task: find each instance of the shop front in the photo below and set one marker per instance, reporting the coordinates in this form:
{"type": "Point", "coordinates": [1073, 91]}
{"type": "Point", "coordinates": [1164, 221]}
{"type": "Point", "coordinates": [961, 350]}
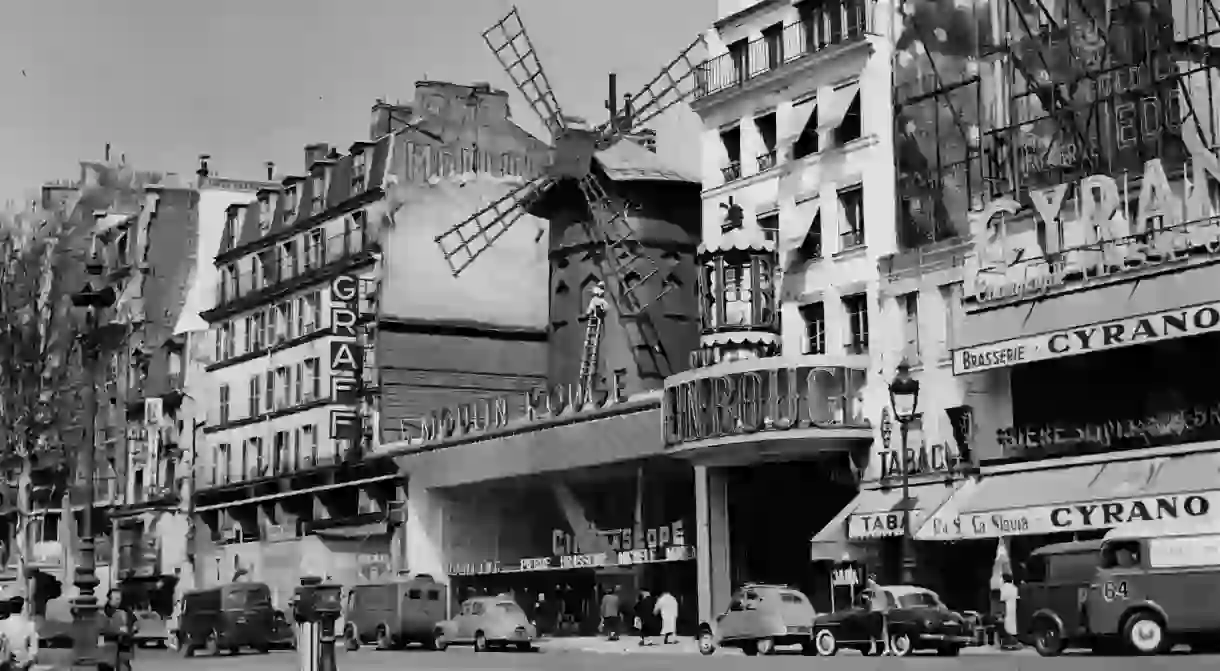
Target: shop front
{"type": "Point", "coordinates": [1100, 349]}
{"type": "Point", "coordinates": [778, 445]}
{"type": "Point", "coordinates": [558, 542]}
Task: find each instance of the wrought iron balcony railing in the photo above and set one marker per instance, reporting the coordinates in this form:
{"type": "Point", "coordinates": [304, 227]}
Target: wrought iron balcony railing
{"type": "Point", "coordinates": [830, 23]}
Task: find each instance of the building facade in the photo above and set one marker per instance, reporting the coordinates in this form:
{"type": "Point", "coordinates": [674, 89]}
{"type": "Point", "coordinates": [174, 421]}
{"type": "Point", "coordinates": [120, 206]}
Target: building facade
{"type": "Point", "coordinates": [798, 202]}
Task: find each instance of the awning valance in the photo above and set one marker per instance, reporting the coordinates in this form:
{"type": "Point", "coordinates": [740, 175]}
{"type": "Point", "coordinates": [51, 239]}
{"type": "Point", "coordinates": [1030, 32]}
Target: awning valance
{"type": "Point", "coordinates": [834, 109]}
{"type": "Point", "coordinates": [793, 235]}
{"type": "Point", "coordinates": [356, 532]}
{"type": "Point", "coordinates": [880, 513]}
{"type": "Point", "coordinates": [797, 120]}
{"type": "Point", "coordinates": [1086, 497]}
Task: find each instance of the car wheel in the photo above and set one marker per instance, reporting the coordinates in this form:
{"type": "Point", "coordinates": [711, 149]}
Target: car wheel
{"type": "Point", "coordinates": [1048, 637]}
{"type": "Point", "coordinates": [824, 643]}
{"type": "Point", "coordinates": [262, 649]}
{"type": "Point", "coordinates": [212, 645]}
{"type": "Point", "coordinates": [1145, 634]}
{"type": "Point", "coordinates": [765, 646]}
{"type": "Point", "coordinates": [480, 642]}
{"type": "Point", "coordinates": [750, 648]}
{"type": "Point", "coordinates": [707, 642]}
{"type": "Point", "coordinates": [900, 645]}
{"type": "Point", "coordinates": [439, 642]}
{"type": "Point", "coordinates": [383, 638]}
{"type": "Point", "coordinates": [351, 638]}
{"type": "Point", "coordinates": [524, 647]}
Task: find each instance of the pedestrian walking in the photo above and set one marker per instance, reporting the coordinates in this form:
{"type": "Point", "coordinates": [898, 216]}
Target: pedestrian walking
{"type": "Point", "coordinates": [646, 617]}
{"type": "Point", "coordinates": [1009, 596]}
{"type": "Point", "coordinates": [119, 629]}
{"type": "Point", "coordinates": [667, 609]}
{"type": "Point", "coordinates": [878, 603]}
{"type": "Point", "coordinates": [20, 635]}
{"type": "Point", "coordinates": [610, 612]}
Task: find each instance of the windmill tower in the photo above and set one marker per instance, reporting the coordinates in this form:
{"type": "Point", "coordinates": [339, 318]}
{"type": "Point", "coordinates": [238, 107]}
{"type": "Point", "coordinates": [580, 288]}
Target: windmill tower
{"type": "Point", "coordinates": [619, 220]}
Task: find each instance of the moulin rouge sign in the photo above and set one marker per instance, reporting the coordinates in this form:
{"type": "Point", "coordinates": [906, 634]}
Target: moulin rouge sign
{"type": "Point", "coordinates": [1089, 236]}
{"type": "Point", "coordinates": [760, 395]}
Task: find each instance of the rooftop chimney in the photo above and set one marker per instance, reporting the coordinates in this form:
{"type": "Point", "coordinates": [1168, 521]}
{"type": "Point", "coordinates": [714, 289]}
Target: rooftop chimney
{"type": "Point", "coordinates": [612, 101]}
{"type": "Point", "coordinates": [315, 152]}
{"type": "Point", "coordinates": [203, 165]}
{"type": "Point", "coordinates": [270, 170]}
{"type": "Point", "coordinates": [387, 118]}
{"type": "Point", "coordinates": [107, 159]}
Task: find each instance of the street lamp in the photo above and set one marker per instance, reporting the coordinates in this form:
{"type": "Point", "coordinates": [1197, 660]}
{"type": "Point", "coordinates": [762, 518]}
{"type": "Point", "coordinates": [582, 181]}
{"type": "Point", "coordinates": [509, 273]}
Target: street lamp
{"type": "Point", "coordinates": [93, 339]}
{"type": "Point", "coordinates": [904, 399]}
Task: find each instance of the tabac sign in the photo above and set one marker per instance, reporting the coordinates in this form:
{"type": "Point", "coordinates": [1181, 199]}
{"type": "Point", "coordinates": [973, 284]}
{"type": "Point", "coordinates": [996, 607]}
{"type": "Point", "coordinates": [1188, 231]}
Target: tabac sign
{"type": "Point", "coordinates": [759, 395]}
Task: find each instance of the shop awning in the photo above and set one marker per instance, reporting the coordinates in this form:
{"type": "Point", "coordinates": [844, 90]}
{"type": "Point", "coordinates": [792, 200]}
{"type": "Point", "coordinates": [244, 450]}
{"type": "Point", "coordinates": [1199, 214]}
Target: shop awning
{"type": "Point", "coordinates": [878, 513]}
{"type": "Point", "coordinates": [354, 532]}
{"type": "Point", "coordinates": [832, 110]}
{"type": "Point", "coordinates": [1161, 490]}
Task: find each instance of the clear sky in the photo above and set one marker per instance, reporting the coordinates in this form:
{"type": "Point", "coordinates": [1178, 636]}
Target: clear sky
{"type": "Point", "coordinates": [254, 80]}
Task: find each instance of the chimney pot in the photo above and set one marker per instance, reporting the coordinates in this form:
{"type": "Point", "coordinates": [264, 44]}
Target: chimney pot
{"type": "Point", "coordinates": [315, 152]}
{"type": "Point", "coordinates": [270, 170]}
{"type": "Point", "coordinates": [203, 165]}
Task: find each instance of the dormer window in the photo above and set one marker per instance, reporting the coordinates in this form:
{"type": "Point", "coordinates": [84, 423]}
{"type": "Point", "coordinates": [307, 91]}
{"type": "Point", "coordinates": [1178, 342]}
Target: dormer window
{"type": "Point", "coordinates": [120, 249]}
{"type": "Point", "coordinates": [230, 234]}
{"type": "Point", "coordinates": [265, 213]}
{"type": "Point", "coordinates": [290, 202]}
{"type": "Point", "coordinates": [359, 172]}
{"type": "Point", "coordinates": [320, 184]}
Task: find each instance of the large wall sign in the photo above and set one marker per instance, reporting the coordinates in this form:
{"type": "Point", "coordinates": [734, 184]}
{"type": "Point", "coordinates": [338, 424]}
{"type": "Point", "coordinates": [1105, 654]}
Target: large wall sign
{"type": "Point", "coordinates": [346, 357]}
{"type": "Point", "coordinates": [1182, 425]}
{"type": "Point", "coordinates": [1037, 520]}
{"type": "Point", "coordinates": [759, 395]}
{"type": "Point", "coordinates": [1137, 330]}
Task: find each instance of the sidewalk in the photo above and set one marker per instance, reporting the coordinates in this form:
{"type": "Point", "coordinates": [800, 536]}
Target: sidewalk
{"type": "Point", "coordinates": [687, 645]}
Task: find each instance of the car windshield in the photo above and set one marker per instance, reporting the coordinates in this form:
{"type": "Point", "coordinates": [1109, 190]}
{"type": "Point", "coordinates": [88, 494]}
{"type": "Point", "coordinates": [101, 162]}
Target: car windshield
{"type": "Point", "coordinates": [245, 598]}
{"type": "Point", "coordinates": [508, 607]}
{"type": "Point", "coordinates": [918, 600]}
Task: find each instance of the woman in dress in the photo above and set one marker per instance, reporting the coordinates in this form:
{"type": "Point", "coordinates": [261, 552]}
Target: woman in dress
{"type": "Point", "coordinates": [667, 608]}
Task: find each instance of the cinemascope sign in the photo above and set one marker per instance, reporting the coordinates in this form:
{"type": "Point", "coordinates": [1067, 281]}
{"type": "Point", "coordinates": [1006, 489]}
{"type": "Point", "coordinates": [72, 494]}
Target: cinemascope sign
{"type": "Point", "coordinates": [1165, 325]}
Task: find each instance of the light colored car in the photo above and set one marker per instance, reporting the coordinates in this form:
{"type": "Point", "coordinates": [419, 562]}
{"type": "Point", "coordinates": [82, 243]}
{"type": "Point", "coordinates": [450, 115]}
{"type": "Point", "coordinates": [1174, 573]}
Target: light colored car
{"type": "Point", "coordinates": [487, 622]}
{"type": "Point", "coordinates": [150, 630]}
{"type": "Point", "coordinates": [759, 618]}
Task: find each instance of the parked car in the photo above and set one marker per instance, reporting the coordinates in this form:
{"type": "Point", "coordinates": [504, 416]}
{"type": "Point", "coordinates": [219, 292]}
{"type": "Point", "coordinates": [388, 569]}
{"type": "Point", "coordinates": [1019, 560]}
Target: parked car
{"type": "Point", "coordinates": [393, 614]}
{"type": "Point", "coordinates": [283, 636]}
{"type": "Point", "coordinates": [487, 622]}
{"type": "Point", "coordinates": [151, 630]}
{"type": "Point", "coordinates": [759, 618]}
{"type": "Point", "coordinates": [917, 620]}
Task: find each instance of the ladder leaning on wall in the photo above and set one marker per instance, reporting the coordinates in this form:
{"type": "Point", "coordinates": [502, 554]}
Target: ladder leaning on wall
{"type": "Point", "coordinates": [594, 318]}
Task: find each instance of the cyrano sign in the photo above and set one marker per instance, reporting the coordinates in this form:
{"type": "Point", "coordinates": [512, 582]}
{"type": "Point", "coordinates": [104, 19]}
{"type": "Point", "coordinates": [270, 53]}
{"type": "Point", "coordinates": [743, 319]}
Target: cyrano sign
{"type": "Point", "coordinates": [1165, 325]}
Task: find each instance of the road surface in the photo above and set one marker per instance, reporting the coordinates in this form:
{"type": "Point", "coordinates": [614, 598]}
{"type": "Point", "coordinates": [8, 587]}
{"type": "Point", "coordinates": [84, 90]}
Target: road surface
{"type": "Point", "coordinates": [465, 660]}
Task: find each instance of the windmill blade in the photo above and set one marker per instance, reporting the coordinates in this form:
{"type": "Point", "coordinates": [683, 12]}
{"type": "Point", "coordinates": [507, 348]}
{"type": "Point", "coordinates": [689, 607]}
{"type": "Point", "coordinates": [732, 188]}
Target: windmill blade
{"type": "Point", "coordinates": [513, 48]}
{"type": "Point", "coordinates": [677, 82]}
{"type": "Point", "coordinates": [465, 242]}
{"type": "Point", "coordinates": [629, 265]}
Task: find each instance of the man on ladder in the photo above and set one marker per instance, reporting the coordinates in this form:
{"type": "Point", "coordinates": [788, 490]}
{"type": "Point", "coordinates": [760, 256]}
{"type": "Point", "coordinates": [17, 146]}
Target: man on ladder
{"type": "Point", "coordinates": [594, 316]}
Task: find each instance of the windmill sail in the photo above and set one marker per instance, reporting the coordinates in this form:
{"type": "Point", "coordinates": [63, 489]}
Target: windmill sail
{"type": "Point", "coordinates": [512, 47]}
{"type": "Point", "coordinates": [465, 242]}
{"type": "Point", "coordinates": [676, 82]}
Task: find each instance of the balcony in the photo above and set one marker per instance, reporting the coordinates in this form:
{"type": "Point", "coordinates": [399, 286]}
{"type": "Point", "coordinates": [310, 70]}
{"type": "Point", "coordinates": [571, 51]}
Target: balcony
{"type": "Point", "coordinates": [832, 23]}
{"type": "Point", "coordinates": [767, 160]}
{"type": "Point", "coordinates": [244, 285]}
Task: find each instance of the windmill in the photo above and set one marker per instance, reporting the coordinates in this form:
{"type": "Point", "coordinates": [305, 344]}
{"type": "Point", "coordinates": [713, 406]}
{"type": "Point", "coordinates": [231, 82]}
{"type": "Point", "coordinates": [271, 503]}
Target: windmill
{"type": "Point", "coordinates": [585, 157]}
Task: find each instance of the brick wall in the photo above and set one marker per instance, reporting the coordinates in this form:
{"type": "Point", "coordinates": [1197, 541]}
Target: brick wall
{"type": "Point", "coordinates": [421, 372]}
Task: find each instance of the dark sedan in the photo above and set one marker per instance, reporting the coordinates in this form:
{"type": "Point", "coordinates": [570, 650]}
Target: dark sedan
{"type": "Point", "coordinates": [917, 621]}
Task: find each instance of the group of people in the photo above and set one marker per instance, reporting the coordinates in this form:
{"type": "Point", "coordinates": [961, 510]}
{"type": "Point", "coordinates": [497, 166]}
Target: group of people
{"type": "Point", "coordinates": [651, 616]}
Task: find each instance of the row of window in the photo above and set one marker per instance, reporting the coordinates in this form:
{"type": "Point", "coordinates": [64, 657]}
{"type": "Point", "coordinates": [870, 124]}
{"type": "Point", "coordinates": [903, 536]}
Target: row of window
{"type": "Point", "coordinates": [295, 256]}
{"type": "Point", "coordinates": [278, 389]}
{"type": "Point", "coordinates": [270, 326]}
{"type": "Point", "coordinates": [290, 450]}
{"type": "Point", "coordinates": [805, 144]}
{"type": "Point", "coordinates": [851, 225]}
{"type": "Point", "coordinates": [855, 306]}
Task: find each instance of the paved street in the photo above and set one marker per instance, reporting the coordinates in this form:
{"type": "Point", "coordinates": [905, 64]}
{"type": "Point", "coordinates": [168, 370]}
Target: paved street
{"type": "Point", "coordinates": [657, 660]}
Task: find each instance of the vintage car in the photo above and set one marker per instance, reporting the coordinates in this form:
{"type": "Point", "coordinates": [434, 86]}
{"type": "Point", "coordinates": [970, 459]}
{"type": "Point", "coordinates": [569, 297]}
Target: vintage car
{"type": "Point", "coordinates": [150, 629]}
{"type": "Point", "coordinates": [917, 620]}
{"type": "Point", "coordinates": [487, 622]}
{"type": "Point", "coordinates": [1143, 588]}
{"type": "Point", "coordinates": [759, 618]}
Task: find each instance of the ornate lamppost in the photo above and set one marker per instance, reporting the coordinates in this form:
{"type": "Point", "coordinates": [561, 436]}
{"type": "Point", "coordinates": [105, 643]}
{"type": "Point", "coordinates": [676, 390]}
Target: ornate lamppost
{"type": "Point", "coordinates": [93, 340]}
{"type": "Point", "coordinates": [904, 399]}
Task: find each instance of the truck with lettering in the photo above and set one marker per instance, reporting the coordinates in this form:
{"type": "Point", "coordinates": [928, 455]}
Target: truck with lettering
{"type": "Point", "coordinates": [1141, 589]}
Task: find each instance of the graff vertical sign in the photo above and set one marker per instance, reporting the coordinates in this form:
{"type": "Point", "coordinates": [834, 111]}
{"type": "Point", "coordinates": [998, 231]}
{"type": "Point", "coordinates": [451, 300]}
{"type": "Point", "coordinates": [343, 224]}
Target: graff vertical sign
{"type": "Point", "coordinates": [766, 399]}
{"type": "Point", "coordinates": [346, 355]}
